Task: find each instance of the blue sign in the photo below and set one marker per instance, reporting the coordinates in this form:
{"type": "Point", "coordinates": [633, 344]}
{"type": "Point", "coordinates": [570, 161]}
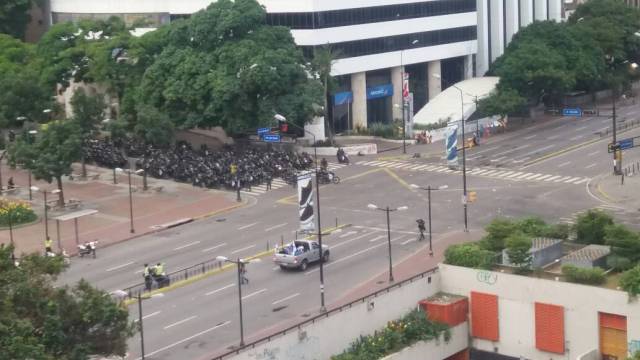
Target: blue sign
{"type": "Point", "coordinates": [626, 143]}
{"type": "Point", "coordinates": [571, 112]}
{"type": "Point", "coordinates": [342, 98]}
{"type": "Point", "coordinates": [379, 91]}
{"type": "Point", "coordinates": [271, 138]}
{"type": "Point", "coordinates": [263, 130]}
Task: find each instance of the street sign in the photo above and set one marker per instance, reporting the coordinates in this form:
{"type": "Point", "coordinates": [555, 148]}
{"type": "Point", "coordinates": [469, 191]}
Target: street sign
{"type": "Point", "coordinates": [624, 144]}
{"type": "Point", "coordinates": [271, 138]}
{"type": "Point", "coordinates": [263, 130]}
{"type": "Point", "coordinates": [571, 112]}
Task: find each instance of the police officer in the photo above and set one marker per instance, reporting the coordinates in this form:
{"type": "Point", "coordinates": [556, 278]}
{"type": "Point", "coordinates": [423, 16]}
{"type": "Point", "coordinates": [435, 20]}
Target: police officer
{"type": "Point", "coordinates": [159, 270]}
{"type": "Point", "coordinates": [147, 277]}
{"type": "Point", "coordinates": [47, 245]}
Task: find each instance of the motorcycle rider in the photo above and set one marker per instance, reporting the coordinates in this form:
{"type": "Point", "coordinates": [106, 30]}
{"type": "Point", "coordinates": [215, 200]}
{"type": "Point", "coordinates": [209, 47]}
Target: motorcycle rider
{"type": "Point", "coordinates": [324, 164]}
{"type": "Point", "coordinates": [342, 156]}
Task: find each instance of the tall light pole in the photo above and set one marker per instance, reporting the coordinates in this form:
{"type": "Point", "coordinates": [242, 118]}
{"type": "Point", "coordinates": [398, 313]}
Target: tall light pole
{"type": "Point", "coordinates": [388, 211]}
{"type": "Point", "coordinates": [404, 101]}
{"type": "Point", "coordinates": [429, 189]}
{"type": "Point", "coordinates": [132, 229]}
{"type": "Point", "coordinates": [46, 218]}
{"type": "Point", "coordinates": [464, 156]}
{"type": "Point", "coordinates": [240, 263]}
{"type": "Point", "coordinates": [279, 117]}
{"type": "Point", "coordinates": [31, 133]}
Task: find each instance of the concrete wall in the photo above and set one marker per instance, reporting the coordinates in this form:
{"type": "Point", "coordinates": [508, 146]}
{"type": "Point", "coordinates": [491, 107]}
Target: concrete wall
{"type": "Point", "coordinates": [337, 331]}
{"type": "Point", "coordinates": [517, 295]}
{"type": "Point", "coordinates": [437, 349]}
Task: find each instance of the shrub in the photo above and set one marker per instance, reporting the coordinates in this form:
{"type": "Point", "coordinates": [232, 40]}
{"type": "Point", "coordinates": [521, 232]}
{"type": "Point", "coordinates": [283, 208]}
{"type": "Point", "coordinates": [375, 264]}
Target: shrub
{"type": "Point", "coordinates": [625, 244]}
{"type": "Point", "coordinates": [439, 125]}
{"type": "Point", "coordinates": [630, 281]}
{"type": "Point", "coordinates": [619, 262]}
{"type": "Point", "coordinates": [469, 255]}
{"type": "Point", "coordinates": [558, 231]}
{"type": "Point", "coordinates": [518, 248]}
{"type": "Point", "coordinates": [497, 231]}
{"type": "Point", "coordinates": [533, 226]}
{"type": "Point", "coordinates": [387, 131]}
{"type": "Point", "coordinates": [17, 211]}
{"type": "Point", "coordinates": [410, 329]}
{"type": "Point", "coordinates": [590, 226]}
{"type": "Point", "coordinates": [594, 276]}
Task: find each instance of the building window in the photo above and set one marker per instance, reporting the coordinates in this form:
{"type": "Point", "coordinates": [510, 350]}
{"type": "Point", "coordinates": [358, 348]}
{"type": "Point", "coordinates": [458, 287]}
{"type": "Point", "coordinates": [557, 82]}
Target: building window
{"type": "Point", "coordinates": [346, 17]}
{"type": "Point", "coordinates": [395, 43]}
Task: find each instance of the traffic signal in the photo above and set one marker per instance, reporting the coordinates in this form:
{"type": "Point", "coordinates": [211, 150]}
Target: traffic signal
{"type": "Point", "coordinates": [473, 196]}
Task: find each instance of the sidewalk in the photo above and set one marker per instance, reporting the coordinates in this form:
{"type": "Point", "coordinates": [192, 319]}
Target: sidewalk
{"type": "Point", "coordinates": [165, 202]}
{"type": "Point", "coordinates": [610, 188]}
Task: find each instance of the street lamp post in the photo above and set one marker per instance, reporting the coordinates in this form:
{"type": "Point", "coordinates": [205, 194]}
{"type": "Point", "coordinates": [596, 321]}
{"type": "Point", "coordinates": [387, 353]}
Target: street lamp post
{"type": "Point", "coordinates": [239, 262]}
{"type": "Point", "coordinates": [464, 156]}
{"type": "Point", "coordinates": [388, 211]}
{"type": "Point", "coordinates": [140, 318]}
{"type": "Point", "coordinates": [132, 230]}
{"type": "Point", "coordinates": [404, 101]}
{"type": "Point", "coordinates": [429, 189]}
{"type": "Point", "coordinates": [46, 218]}
{"type": "Point", "coordinates": [315, 154]}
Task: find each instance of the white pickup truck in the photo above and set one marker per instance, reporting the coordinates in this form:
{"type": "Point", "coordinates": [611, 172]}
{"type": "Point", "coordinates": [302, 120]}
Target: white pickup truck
{"type": "Point", "coordinates": [299, 254]}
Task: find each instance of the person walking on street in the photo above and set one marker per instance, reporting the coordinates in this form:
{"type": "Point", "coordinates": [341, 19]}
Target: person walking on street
{"type": "Point", "coordinates": [47, 245]}
{"type": "Point", "coordinates": [243, 274]}
{"type": "Point", "coordinates": [421, 228]}
{"type": "Point", "coordinates": [269, 180]}
{"type": "Point", "coordinates": [148, 281]}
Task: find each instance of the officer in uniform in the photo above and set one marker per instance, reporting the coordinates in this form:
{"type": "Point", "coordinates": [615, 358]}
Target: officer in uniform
{"type": "Point", "coordinates": [47, 245]}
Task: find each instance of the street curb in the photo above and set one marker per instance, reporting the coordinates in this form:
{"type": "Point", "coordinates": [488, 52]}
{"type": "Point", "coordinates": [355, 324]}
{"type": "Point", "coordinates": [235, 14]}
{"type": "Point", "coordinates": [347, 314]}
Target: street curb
{"type": "Point", "coordinates": [221, 269]}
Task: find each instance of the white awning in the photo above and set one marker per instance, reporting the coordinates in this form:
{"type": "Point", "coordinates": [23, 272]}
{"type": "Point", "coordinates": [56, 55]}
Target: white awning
{"type": "Point", "coordinates": [75, 214]}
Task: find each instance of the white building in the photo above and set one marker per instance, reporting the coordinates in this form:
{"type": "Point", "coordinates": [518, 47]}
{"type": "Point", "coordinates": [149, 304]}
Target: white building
{"type": "Point", "coordinates": [374, 39]}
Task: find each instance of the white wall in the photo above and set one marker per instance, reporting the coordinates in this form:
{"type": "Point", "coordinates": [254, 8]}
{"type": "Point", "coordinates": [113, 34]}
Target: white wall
{"type": "Point", "coordinates": [412, 56]}
{"type": "Point", "coordinates": [517, 295]}
{"type": "Point", "coordinates": [335, 333]}
{"type": "Point", "coordinates": [382, 29]}
{"type": "Point", "coordinates": [482, 57]}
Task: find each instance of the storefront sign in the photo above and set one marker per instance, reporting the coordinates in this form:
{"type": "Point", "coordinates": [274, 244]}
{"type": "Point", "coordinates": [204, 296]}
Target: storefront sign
{"type": "Point", "coordinates": [342, 98]}
{"type": "Point", "coordinates": [380, 91]}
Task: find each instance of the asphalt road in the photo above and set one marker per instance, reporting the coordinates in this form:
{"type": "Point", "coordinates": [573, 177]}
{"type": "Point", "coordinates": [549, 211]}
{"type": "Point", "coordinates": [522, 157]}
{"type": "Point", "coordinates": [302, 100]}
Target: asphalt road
{"type": "Point", "coordinates": [202, 318]}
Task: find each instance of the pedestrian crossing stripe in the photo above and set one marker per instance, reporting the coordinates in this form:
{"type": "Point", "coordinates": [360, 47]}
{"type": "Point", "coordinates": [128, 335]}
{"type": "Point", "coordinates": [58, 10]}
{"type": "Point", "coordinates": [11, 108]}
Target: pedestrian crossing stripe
{"type": "Point", "coordinates": [574, 216]}
{"type": "Point", "coordinates": [485, 172]}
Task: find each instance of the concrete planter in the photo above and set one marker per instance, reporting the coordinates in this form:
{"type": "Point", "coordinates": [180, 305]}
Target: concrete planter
{"type": "Point", "coordinates": [436, 348]}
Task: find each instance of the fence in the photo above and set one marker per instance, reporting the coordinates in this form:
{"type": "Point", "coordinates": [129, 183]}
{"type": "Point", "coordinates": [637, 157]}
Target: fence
{"type": "Point", "coordinates": [625, 125]}
{"type": "Point", "coordinates": [326, 314]}
{"type": "Point", "coordinates": [632, 170]}
{"type": "Point", "coordinates": [134, 290]}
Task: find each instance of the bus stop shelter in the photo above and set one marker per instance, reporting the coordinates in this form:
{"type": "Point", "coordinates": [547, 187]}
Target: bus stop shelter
{"type": "Point", "coordinates": [75, 215]}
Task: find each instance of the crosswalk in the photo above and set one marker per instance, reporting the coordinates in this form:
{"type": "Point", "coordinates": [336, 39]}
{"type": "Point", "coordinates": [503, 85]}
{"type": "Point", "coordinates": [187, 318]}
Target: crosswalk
{"type": "Point", "coordinates": [504, 174]}
{"type": "Point", "coordinates": [571, 219]}
{"type": "Point", "coordinates": [278, 183]}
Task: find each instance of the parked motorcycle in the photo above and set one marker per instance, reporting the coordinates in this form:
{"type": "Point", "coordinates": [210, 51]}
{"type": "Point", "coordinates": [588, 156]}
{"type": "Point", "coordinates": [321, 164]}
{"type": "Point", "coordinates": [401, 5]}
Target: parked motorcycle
{"type": "Point", "coordinates": [88, 248]}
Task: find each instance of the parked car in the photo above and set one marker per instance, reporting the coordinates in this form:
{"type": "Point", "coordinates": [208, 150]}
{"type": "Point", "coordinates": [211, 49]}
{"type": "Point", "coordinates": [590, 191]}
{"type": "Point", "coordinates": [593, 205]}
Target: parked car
{"type": "Point", "coordinates": [299, 254]}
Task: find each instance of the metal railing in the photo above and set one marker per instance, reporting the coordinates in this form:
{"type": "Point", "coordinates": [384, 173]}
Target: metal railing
{"type": "Point", "coordinates": [625, 125]}
{"type": "Point", "coordinates": [326, 314]}
{"type": "Point", "coordinates": [134, 290]}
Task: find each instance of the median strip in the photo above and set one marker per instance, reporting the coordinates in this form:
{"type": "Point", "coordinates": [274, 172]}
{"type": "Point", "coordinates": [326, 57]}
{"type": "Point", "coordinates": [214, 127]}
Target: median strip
{"type": "Point", "coordinates": [191, 280]}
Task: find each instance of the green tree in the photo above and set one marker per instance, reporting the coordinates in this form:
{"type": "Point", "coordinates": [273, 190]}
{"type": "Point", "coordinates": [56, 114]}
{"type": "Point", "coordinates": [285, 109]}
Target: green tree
{"type": "Point", "coordinates": [502, 102]}
{"type": "Point", "coordinates": [153, 127]}
{"type": "Point", "coordinates": [39, 321]}
{"type": "Point", "coordinates": [590, 226]}
{"type": "Point", "coordinates": [625, 246]}
{"type": "Point", "coordinates": [469, 255]}
{"type": "Point", "coordinates": [497, 232]}
{"type": "Point", "coordinates": [88, 113]}
{"type": "Point", "coordinates": [14, 17]}
{"type": "Point", "coordinates": [51, 154]}
{"type": "Point", "coordinates": [533, 226]}
{"type": "Point", "coordinates": [630, 281]}
{"type": "Point", "coordinates": [518, 247]}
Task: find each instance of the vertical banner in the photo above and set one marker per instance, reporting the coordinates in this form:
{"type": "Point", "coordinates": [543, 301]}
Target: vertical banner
{"type": "Point", "coordinates": [305, 200]}
{"type": "Point", "coordinates": [451, 144]}
{"type": "Point", "coordinates": [405, 86]}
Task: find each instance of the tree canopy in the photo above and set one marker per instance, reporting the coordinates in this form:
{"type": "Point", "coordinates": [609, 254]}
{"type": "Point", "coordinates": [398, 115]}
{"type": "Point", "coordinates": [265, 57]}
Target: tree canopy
{"type": "Point", "coordinates": [14, 16]}
{"type": "Point", "coordinates": [38, 321]}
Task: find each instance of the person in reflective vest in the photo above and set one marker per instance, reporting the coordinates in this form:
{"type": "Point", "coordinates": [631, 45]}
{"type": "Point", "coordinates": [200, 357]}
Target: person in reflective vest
{"type": "Point", "coordinates": [47, 245]}
{"type": "Point", "coordinates": [147, 277]}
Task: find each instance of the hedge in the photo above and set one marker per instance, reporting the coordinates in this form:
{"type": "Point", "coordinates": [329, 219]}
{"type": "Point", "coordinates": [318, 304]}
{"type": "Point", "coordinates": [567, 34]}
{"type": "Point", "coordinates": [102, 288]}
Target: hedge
{"type": "Point", "coordinates": [594, 276]}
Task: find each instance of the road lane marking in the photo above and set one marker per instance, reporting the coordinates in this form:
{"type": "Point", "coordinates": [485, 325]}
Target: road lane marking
{"type": "Point", "coordinates": [524, 175]}
{"type": "Point", "coordinates": [593, 153]}
{"type": "Point", "coordinates": [348, 233]}
{"type": "Point", "coordinates": [253, 294]}
{"type": "Point", "coordinates": [553, 178]}
{"type": "Point", "coordinates": [500, 158]}
{"type": "Point", "coordinates": [275, 227]}
{"type": "Point", "coordinates": [576, 137]}
{"type": "Point", "coordinates": [187, 245]}
{"type": "Point", "coordinates": [247, 226]}
{"type": "Point", "coordinates": [539, 150]}
{"type": "Point", "coordinates": [529, 137]}
{"type": "Point", "coordinates": [522, 159]}
{"type": "Point", "coordinates": [590, 166]}
{"type": "Point", "coordinates": [187, 339]}
{"type": "Point", "coordinates": [214, 247]}
{"type": "Point", "coordinates": [491, 173]}
{"type": "Point", "coordinates": [572, 180]}
{"type": "Point", "coordinates": [376, 238]}
{"type": "Point", "coordinates": [180, 322]}
{"type": "Point", "coordinates": [243, 249]}
{"type": "Point", "coordinates": [581, 128]}
{"type": "Point", "coordinates": [534, 176]}
{"type": "Point", "coordinates": [218, 290]}
{"type": "Point", "coordinates": [564, 164]}
{"type": "Point", "coordinates": [285, 299]}
{"type": "Point", "coordinates": [120, 266]}
{"type": "Point", "coordinates": [148, 316]}
{"type": "Point", "coordinates": [514, 175]}
{"type": "Point", "coordinates": [565, 178]}
{"type": "Point", "coordinates": [347, 257]}
{"type": "Point", "coordinates": [350, 240]}
{"type": "Point", "coordinates": [542, 178]}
